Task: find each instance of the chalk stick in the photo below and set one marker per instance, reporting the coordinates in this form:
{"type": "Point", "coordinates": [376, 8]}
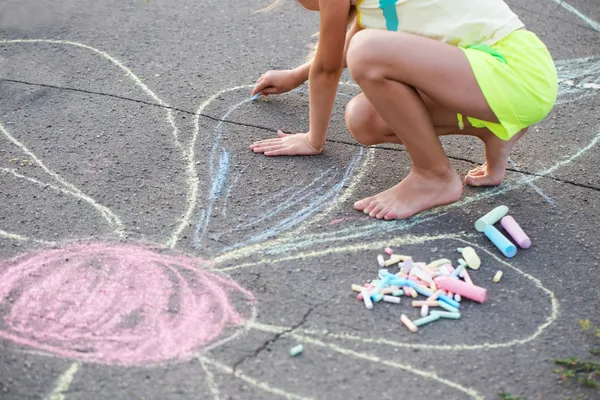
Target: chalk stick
{"type": "Point", "coordinates": [491, 218]}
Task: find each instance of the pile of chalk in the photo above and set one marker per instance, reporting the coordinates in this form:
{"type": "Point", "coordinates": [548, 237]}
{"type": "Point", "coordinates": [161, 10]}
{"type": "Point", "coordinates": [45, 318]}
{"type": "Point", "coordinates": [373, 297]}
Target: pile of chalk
{"type": "Point", "coordinates": [442, 285]}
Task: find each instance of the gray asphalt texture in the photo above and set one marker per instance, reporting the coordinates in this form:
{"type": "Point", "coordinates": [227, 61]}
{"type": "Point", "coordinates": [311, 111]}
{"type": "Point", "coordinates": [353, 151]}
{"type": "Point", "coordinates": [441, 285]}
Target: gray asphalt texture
{"type": "Point", "coordinates": [87, 121]}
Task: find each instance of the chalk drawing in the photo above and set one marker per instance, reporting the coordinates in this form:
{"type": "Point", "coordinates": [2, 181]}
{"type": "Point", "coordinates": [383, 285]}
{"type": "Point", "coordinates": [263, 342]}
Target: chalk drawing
{"type": "Point", "coordinates": [210, 380]}
{"type": "Point", "coordinates": [137, 297]}
{"type": "Point", "coordinates": [534, 186]}
{"type": "Point", "coordinates": [595, 25]}
{"type": "Point", "coordinates": [578, 78]}
{"type": "Point", "coordinates": [64, 382]}
{"type": "Point", "coordinates": [300, 193]}
{"type": "Point", "coordinates": [260, 385]}
{"type": "Point", "coordinates": [21, 238]}
{"type": "Point", "coordinates": [111, 304]}
{"type": "Point", "coordinates": [108, 215]}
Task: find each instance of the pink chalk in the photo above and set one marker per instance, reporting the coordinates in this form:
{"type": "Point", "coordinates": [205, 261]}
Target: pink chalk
{"type": "Point", "coordinates": [472, 292]}
{"type": "Point", "coordinates": [515, 231]}
{"type": "Point", "coordinates": [388, 251]}
{"type": "Point", "coordinates": [121, 304]}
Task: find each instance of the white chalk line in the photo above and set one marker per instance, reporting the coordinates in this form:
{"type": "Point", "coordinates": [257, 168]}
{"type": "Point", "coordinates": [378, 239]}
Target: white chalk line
{"type": "Point", "coordinates": [116, 62]}
{"type": "Point", "coordinates": [56, 188]}
{"type": "Point", "coordinates": [108, 215]}
{"type": "Point", "coordinates": [370, 357]}
{"type": "Point", "coordinates": [192, 177]}
{"type": "Point", "coordinates": [63, 383]}
{"type": "Point", "coordinates": [210, 380]}
{"type": "Point", "coordinates": [595, 25]}
{"type": "Point", "coordinates": [240, 332]}
{"type": "Point", "coordinates": [535, 187]}
{"type": "Point", "coordinates": [21, 238]}
{"type": "Point", "coordinates": [403, 241]}
{"type": "Point", "coordinates": [194, 180]}
{"type": "Point", "coordinates": [252, 381]}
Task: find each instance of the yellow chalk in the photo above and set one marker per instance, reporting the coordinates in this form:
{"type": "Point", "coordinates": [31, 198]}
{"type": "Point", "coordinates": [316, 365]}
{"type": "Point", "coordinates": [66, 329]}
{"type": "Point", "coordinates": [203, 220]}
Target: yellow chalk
{"type": "Point", "coordinates": [471, 257]}
{"type": "Point", "coordinates": [498, 276]}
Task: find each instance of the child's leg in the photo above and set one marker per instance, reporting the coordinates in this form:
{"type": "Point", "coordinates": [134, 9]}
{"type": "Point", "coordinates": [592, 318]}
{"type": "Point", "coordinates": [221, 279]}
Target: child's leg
{"type": "Point", "coordinates": [368, 128]}
{"type": "Point", "coordinates": [390, 67]}
{"type": "Point", "coordinates": [497, 152]}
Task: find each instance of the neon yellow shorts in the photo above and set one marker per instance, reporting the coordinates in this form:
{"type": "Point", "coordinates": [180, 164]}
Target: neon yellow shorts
{"type": "Point", "coordinates": [518, 79]}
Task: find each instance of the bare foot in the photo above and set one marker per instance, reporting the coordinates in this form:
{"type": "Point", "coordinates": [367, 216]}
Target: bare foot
{"type": "Point", "coordinates": [497, 151]}
{"type": "Point", "coordinates": [415, 193]}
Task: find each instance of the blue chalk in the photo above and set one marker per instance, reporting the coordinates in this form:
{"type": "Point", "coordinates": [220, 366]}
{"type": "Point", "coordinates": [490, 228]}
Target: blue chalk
{"type": "Point", "coordinates": [449, 301]}
{"type": "Point", "coordinates": [255, 97]}
{"type": "Point", "coordinates": [456, 272]}
{"type": "Point", "coordinates": [500, 241]}
{"type": "Point", "coordinates": [424, 292]}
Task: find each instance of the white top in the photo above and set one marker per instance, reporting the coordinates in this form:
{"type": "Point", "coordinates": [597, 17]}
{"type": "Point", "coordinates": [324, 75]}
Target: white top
{"type": "Point", "coordinates": [457, 22]}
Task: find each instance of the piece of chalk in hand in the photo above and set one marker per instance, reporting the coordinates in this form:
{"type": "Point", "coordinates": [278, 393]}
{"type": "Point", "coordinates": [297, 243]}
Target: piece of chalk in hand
{"type": "Point", "coordinates": [255, 97]}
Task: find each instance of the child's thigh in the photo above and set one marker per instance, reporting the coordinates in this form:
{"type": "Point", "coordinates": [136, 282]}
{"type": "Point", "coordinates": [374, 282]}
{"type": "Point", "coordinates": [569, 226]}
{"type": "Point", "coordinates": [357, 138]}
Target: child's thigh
{"type": "Point", "coordinates": [360, 114]}
{"type": "Point", "coordinates": [439, 70]}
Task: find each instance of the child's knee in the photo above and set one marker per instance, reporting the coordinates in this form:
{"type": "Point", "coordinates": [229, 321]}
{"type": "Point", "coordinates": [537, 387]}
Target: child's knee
{"type": "Point", "coordinates": [359, 121]}
{"type": "Point", "coordinates": [362, 55]}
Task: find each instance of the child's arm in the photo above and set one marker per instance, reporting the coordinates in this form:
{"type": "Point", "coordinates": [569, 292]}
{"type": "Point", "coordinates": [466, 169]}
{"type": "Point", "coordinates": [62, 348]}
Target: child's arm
{"type": "Point", "coordinates": [276, 82]}
{"type": "Point", "coordinates": [324, 76]}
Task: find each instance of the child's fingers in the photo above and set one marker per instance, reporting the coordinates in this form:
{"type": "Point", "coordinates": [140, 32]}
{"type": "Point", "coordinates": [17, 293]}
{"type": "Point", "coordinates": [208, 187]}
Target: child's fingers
{"type": "Point", "coordinates": [280, 152]}
{"type": "Point", "coordinates": [265, 142]}
{"type": "Point", "coordinates": [269, 149]}
{"type": "Point", "coordinates": [261, 84]}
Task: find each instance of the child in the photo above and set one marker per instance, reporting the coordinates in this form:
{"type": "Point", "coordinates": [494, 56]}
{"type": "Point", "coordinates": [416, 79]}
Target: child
{"type": "Point", "coordinates": [422, 65]}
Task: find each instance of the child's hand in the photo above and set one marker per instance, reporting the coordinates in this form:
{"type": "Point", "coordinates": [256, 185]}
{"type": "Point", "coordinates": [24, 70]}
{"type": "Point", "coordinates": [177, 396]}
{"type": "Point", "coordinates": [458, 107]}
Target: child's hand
{"type": "Point", "coordinates": [286, 145]}
{"type": "Point", "coordinates": [276, 82]}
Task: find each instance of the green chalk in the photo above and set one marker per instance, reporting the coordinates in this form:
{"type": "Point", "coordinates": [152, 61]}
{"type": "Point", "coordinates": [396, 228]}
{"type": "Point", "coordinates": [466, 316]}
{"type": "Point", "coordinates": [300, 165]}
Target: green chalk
{"type": "Point", "coordinates": [491, 218]}
{"type": "Point", "coordinates": [445, 314]}
{"type": "Point", "coordinates": [448, 307]}
{"type": "Point", "coordinates": [426, 320]}
{"type": "Point", "coordinates": [294, 351]}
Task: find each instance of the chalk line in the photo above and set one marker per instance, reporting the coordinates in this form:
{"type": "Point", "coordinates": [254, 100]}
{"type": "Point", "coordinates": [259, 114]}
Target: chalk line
{"type": "Point", "coordinates": [372, 358]}
{"type": "Point", "coordinates": [116, 62]}
{"type": "Point", "coordinates": [61, 190]}
{"type": "Point", "coordinates": [595, 25]}
{"type": "Point", "coordinates": [534, 186]}
{"type": "Point", "coordinates": [210, 380]}
{"type": "Point", "coordinates": [401, 241]}
{"type": "Point", "coordinates": [21, 238]}
{"type": "Point", "coordinates": [64, 382]}
{"type": "Point", "coordinates": [577, 78]}
{"type": "Point", "coordinates": [108, 215]}
{"type": "Point", "coordinates": [252, 381]}
{"type": "Point", "coordinates": [219, 180]}
{"type": "Point", "coordinates": [226, 200]}
{"type": "Point", "coordinates": [192, 176]}
{"type": "Point", "coordinates": [193, 179]}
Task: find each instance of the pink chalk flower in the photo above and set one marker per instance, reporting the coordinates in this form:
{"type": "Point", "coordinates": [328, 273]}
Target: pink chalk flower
{"type": "Point", "coordinates": [118, 304]}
